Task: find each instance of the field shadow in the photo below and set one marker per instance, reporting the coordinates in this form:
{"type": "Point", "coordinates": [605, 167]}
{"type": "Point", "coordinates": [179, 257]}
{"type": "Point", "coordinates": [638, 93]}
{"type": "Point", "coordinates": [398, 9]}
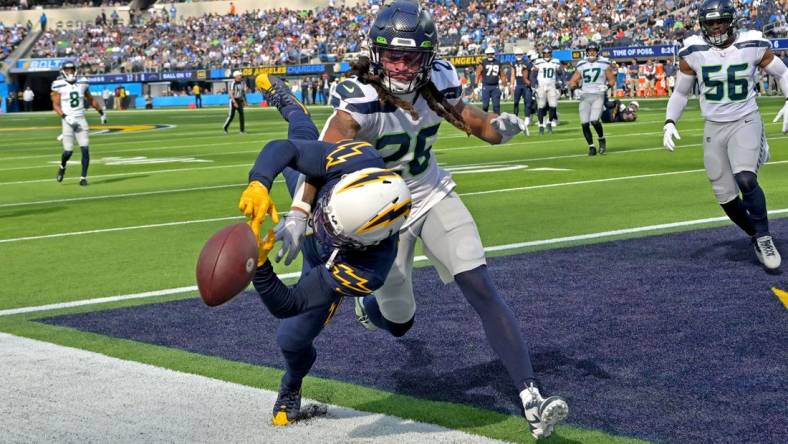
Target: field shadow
{"type": "Point", "coordinates": [5, 214]}
{"type": "Point", "coordinates": [119, 179]}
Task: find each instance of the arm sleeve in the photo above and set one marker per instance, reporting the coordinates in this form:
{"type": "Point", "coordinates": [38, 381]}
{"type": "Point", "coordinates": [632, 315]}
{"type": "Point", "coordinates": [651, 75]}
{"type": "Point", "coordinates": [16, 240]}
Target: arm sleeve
{"type": "Point", "coordinates": [778, 70]}
{"type": "Point", "coordinates": [313, 290]}
{"type": "Point", "coordinates": [446, 80]}
{"type": "Point", "coordinates": [304, 156]}
{"type": "Point", "coordinates": [681, 92]}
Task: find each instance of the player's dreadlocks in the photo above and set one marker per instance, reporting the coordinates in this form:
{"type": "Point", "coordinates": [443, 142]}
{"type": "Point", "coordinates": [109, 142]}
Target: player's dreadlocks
{"type": "Point", "coordinates": [435, 100]}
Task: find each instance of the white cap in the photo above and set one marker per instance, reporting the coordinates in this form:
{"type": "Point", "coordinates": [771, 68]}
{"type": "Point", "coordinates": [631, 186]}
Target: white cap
{"type": "Point", "coordinates": [236, 73]}
{"type": "Point", "coordinates": [489, 50]}
{"type": "Point", "coordinates": [518, 51]}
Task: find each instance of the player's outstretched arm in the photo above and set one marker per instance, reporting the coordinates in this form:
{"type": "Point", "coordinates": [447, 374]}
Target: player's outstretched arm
{"type": "Point", "coordinates": [56, 104]}
{"type": "Point", "coordinates": [575, 80]}
{"type": "Point", "coordinates": [777, 69]}
{"type": "Point", "coordinates": [685, 81]}
{"type": "Point", "coordinates": [490, 127]}
{"type": "Point", "coordinates": [96, 105]}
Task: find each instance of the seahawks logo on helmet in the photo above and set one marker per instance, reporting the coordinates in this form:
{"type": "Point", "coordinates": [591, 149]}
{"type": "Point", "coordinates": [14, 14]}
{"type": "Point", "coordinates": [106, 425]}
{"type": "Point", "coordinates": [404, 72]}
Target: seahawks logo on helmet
{"type": "Point", "coordinates": [69, 72]}
{"type": "Point", "coordinates": [402, 43]}
{"type": "Point", "coordinates": [717, 22]}
{"type": "Point", "coordinates": [592, 46]}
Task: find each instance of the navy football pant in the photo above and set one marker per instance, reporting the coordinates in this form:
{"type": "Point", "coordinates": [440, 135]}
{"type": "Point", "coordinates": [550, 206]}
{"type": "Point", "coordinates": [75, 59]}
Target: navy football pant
{"type": "Point", "coordinates": [491, 92]}
{"type": "Point", "coordinates": [522, 92]}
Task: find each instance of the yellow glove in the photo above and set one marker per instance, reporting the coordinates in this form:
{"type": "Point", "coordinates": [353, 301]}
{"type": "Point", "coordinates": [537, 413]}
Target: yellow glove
{"type": "Point", "coordinates": [264, 246]}
{"type": "Point", "coordinates": [255, 204]}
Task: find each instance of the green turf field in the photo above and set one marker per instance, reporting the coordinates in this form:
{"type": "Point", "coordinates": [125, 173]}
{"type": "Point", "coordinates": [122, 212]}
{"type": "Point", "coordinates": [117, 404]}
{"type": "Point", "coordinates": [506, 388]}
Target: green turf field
{"type": "Point", "coordinates": [156, 195]}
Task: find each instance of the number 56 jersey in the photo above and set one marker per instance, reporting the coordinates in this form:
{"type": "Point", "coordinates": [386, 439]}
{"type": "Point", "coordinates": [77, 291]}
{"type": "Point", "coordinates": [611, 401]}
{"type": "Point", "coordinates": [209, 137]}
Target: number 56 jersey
{"type": "Point", "coordinates": [405, 143]}
{"type": "Point", "coordinates": [726, 76]}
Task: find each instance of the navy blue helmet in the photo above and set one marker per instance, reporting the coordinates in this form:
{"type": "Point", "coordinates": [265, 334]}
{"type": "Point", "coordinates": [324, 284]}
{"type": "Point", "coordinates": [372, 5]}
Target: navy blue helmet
{"type": "Point", "coordinates": [593, 46]}
{"type": "Point", "coordinates": [402, 45]}
{"type": "Point", "coordinates": [717, 22]}
{"type": "Point", "coordinates": [68, 70]}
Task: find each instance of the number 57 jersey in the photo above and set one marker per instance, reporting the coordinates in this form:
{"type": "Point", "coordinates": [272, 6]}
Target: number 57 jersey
{"type": "Point", "coordinates": [404, 143]}
{"type": "Point", "coordinates": [726, 76]}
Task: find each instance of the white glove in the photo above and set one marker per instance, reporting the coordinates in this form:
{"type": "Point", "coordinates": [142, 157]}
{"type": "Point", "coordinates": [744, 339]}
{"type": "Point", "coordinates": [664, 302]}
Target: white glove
{"type": "Point", "coordinates": [784, 114]}
{"type": "Point", "coordinates": [669, 133]}
{"type": "Point", "coordinates": [73, 123]}
{"type": "Point", "coordinates": [291, 232]}
{"type": "Point", "coordinates": [508, 125]}
{"type": "Point", "coordinates": [104, 118]}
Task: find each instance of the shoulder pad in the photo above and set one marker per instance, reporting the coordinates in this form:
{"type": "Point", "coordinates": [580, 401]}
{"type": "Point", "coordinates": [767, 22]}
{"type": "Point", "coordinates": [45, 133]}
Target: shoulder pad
{"type": "Point", "coordinates": [353, 90]}
{"type": "Point", "coordinates": [59, 83]}
{"type": "Point", "coordinates": [603, 60]}
{"type": "Point", "coordinates": [750, 35]}
{"type": "Point", "coordinates": [444, 77]}
{"type": "Point", "coordinates": [581, 63]}
{"type": "Point", "coordinates": [693, 43]}
{"type": "Point", "coordinates": [556, 61]}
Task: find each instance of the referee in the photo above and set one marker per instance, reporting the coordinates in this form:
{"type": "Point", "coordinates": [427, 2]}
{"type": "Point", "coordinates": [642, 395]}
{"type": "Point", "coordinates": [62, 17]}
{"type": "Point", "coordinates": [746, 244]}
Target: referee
{"type": "Point", "coordinates": [237, 93]}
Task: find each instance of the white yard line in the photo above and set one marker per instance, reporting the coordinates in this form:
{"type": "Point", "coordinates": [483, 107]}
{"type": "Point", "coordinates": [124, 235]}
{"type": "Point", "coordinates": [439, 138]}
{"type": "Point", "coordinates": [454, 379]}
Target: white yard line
{"type": "Point", "coordinates": [495, 248]}
{"type": "Point", "coordinates": [53, 393]}
{"type": "Point", "coordinates": [473, 193]}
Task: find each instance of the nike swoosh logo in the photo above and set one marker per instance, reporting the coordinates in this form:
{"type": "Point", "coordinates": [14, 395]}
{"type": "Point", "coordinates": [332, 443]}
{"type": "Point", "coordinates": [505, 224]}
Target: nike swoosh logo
{"type": "Point", "coordinates": [348, 89]}
{"type": "Point", "coordinates": [747, 121]}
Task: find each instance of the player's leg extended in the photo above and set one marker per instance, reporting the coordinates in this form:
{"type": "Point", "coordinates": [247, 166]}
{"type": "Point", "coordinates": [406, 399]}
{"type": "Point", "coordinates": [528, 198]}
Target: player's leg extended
{"type": "Point", "coordinates": [744, 152]}
{"type": "Point", "coordinates": [485, 98]}
{"type": "Point", "coordinates": [393, 307]}
{"type": "Point", "coordinates": [597, 102]}
{"type": "Point", "coordinates": [585, 123]}
{"type": "Point", "coordinates": [720, 174]}
{"type": "Point", "coordinates": [496, 99]}
{"type": "Point", "coordinates": [541, 107]}
{"type": "Point", "coordinates": [528, 104]}
{"type": "Point", "coordinates": [552, 102]}
{"type": "Point", "coordinates": [241, 118]}
{"type": "Point", "coordinates": [451, 241]}
{"type": "Point", "coordinates": [68, 150]}
{"type": "Point", "coordinates": [82, 139]}
{"type": "Point", "coordinates": [518, 93]}
{"type": "Point", "coordinates": [279, 95]}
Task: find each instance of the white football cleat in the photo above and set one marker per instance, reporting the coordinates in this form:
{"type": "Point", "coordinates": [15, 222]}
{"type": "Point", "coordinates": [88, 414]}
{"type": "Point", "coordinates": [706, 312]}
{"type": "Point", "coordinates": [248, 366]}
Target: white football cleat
{"type": "Point", "coordinates": [542, 414]}
{"type": "Point", "coordinates": [361, 315]}
{"type": "Point", "coordinates": [766, 252]}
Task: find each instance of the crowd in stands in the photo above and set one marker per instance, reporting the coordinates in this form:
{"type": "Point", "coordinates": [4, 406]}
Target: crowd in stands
{"type": "Point", "coordinates": [21, 5]}
{"type": "Point", "coordinates": [10, 36]}
{"type": "Point", "coordinates": [159, 39]}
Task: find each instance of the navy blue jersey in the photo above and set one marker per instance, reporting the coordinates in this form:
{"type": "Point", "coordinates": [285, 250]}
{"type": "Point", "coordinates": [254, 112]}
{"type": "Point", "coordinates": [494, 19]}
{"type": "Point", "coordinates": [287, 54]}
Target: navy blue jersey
{"type": "Point", "coordinates": [521, 71]}
{"type": "Point", "coordinates": [352, 272]}
{"type": "Point", "coordinates": [490, 72]}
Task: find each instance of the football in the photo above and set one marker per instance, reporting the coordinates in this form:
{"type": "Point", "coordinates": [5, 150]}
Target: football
{"type": "Point", "coordinates": [227, 264]}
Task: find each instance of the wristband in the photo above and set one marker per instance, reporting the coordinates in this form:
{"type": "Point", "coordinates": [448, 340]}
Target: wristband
{"type": "Point", "coordinates": [303, 206]}
{"type": "Point", "coordinates": [670, 121]}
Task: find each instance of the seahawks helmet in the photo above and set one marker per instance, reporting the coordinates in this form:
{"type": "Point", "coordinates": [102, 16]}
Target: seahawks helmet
{"type": "Point", "coordinates": [592, 46]}
{"type": "Point", "coordinates": [402, 45]}
{"type": "Point", "coordinates": [68, 71]}
{"type": "Point", "coordinates": [717, 22]}
{"type": "Point", "coordinates": [547, 53]}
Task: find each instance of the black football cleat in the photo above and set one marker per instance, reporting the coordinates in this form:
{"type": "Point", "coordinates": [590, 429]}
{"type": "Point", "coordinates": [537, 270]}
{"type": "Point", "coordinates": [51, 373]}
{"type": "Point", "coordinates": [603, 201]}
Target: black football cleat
{"type": "Point", "coordinates": [277, 93]}
{"type": "Point", "coordinates": [541, 130]}
{"type": "Point", "coordinates": [287, 407]}
{"type": "Point", "coordinates": [61, 173]}
{"type": "Point", "coordinates": [591, 151]}
{"type": "Point", "coordinates": [602, 146]}
{"type": "Point", "coordinates": [83, 182]}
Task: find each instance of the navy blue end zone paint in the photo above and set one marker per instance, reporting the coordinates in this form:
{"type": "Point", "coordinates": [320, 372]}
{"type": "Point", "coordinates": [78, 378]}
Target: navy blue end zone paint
{"type": "Point", "coordinates": [670, 338]}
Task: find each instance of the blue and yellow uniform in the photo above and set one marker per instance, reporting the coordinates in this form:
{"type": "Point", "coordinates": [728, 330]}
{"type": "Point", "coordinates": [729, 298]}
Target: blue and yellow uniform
{"type": "Point", "coordinates": [308, 305]}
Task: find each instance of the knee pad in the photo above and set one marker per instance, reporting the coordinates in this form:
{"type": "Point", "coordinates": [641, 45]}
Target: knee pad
{"type": "Point", "coordinates": [747, 181]}
{"type": "Point", "coordinates": [398, 330]}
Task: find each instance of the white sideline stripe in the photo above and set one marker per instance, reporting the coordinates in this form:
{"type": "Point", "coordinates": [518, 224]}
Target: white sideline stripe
{"type": "Point", "coordinates": [473, 193]}
{"type": "Point", "coordinates": [505, 247]}
{"type": "Point", "coordinates": [126, 297]}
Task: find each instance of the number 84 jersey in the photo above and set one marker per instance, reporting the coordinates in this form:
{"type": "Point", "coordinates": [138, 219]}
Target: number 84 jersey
{"type": "Point", "coordinates": [72, 96]}
{"type": "Point", "coordinates": [726, 76]}
{"type": "Point", "coordinates": [405, 143]}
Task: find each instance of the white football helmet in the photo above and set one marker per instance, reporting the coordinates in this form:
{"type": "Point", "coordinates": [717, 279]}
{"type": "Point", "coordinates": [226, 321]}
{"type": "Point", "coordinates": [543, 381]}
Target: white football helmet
{"type": "Point", "coordinates": [518, 54]}
{"type": "Point", "coordinates": [364, 208]}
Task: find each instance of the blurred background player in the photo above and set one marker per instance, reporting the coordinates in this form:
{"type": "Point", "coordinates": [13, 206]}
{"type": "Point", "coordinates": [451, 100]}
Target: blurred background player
{"type": "Point", "coordinates": [356, 222]}
{"type": "Point", "coordinates": [615, 111]}
{"type": "Point", "coordinates": [724, 61]}
{"type": "Point", "coordinates": [521, 70]}
{"type": "Point", "coordinates": [237, 93]}
{"type": "Point", "coordinates": [547, 94]}
{"type": "Point", "coordinates": [68, 101]}
{"type": "Point", "coordinates": [491, 73]}
{"type": "Point", "coordinates": [596, 75]}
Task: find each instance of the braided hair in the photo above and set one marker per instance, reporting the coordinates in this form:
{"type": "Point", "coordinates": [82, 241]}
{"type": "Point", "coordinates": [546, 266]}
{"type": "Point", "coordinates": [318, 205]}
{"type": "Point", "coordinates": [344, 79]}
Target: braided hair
{"type": "Point", "coordinates": [435, 99]}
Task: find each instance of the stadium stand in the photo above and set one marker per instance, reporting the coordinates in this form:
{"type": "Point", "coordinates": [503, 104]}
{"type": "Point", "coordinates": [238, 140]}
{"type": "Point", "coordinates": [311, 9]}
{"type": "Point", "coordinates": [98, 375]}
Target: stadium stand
{"type": "Point", "coordinates": [10, 37]}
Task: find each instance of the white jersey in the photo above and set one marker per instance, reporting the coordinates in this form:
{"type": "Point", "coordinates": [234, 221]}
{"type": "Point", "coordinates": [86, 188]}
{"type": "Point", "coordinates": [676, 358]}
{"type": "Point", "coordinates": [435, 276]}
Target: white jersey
{"type": "Point", "coordinates": [594, 75]}
{"type": "Point", "coordinates": [72, 96]}
{"type": "Point", "coordinates": [404, 143]}
{"type": "Point", "coordinates": [547, 71]}
{"type": "Point", "coordinates": [726, 76]}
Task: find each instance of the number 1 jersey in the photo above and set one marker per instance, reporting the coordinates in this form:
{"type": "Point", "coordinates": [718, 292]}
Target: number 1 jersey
{"type": "Point", "coordinates": [726, 76]}
{"type": "Point", "coordinates": [404, 143]}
